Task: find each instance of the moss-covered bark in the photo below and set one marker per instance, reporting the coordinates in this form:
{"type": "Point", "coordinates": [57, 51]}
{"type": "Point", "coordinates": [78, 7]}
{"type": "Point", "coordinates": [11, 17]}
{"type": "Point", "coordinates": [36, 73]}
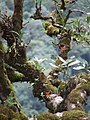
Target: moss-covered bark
{"type": "Point", "coordinates": [13, 75]}
{"type": "Point", "coordinates": [33, 75]}
{"type": "Point", "coordinates": [7, 113]}
{"type": "Point", "coordinates": [75, 115]}
{"type": "Point", "coordinates": [10, 109]}
{"type": "Point", "coordinates": [5, 84]}
{"type": "Point", "coordinates": [18, 15]}
{"type": "Point", "coordinates": [47, 116]}
{"type": "Point", "coordinates": [79, 94]}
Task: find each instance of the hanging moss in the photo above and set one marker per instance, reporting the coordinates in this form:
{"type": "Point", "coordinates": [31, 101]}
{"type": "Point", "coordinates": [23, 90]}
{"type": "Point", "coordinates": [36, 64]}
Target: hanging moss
{"type": "Point", "coordinates": [74, 115]}
{"type": "Point", "coordinates": [47, 116]}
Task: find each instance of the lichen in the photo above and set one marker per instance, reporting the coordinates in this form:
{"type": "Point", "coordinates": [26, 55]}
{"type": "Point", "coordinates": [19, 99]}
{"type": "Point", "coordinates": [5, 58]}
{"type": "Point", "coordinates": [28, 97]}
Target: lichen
{"type": "Point", "coordinates": [74, 115]}
{"type": "Point", "coordinates": [47, 116]}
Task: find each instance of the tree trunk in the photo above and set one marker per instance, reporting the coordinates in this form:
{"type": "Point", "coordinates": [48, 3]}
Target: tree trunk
{"type": "Point", "coordinates": [5, 85]}
{"type": "Point", "coordinates": [18, 15]}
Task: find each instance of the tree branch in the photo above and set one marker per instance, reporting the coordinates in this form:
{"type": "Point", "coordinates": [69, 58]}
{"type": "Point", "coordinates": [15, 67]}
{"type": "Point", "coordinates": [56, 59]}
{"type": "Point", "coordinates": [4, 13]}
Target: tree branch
{"type": "Point", "coordinates": [5, 84]}
{"type": "Point", "coordinates": [15, 76]}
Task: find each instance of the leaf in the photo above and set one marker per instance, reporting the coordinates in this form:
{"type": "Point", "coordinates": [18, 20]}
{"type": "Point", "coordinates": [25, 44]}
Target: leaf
{"type": "Point", "coordinates": [74, 63]}
{"type": "Point", "coordinates": [79, 68]}
{"type": "Point", "coordinates": [88, 19]}
{"type": "Point", "coordinates": [53, 65]}
{"type": "Point", "coordinates": [62, 60]}
{"type": "Point", "coordinates": [39, 60]}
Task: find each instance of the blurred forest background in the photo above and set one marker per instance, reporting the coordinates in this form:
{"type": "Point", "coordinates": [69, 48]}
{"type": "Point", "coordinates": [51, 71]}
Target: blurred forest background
{"type": "Point", "coordinates": [41, 47]}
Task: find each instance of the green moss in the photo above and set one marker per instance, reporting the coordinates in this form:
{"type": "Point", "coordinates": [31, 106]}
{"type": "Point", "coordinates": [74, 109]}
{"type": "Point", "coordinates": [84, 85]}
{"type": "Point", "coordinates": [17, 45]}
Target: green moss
{"type": "Point", "coordinates": [85, 86]}
{"type": "Point", "coordinates": [84, 76]}
{"type": "Point", "coordinates": [74, 115]}
{"type": "Point", "coordinates": [7, 86]}
{"type": "Point", "coordinates": [51, 88]}
{"type": "Point", "coordinates": [40, 87]}
{"type": "Point", "coordinates": [3, 117]}
{"type": "Point", "coordinates": [47, 116]}
{"type": "Point", "coordinates": [66, 40]}
{"type": "Point", "coordinates": [46, 24]}
{"type": "Point", "coordinates": [23, 116]}
{"type": "Point", "coordinates": [75, 96]}
{"type": "Point", "coordinates": [51, 30]}
{"type": "Point", "coordinates": [7, 113]}
{"type": "Point", "coordinates": [59, 19]}
{"type": "Point", "coordinates": [14, 119]}
{"type": "Point", "coordinates": [62, 87]}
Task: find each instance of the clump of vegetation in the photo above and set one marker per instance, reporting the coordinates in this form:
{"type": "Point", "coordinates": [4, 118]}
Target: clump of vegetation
{"type": "Point", "coordinates": [47, 115]}
{"type": "Point", "coordinates": [8, 113]}
{"type": "Point", "coordinates": [74, 115]}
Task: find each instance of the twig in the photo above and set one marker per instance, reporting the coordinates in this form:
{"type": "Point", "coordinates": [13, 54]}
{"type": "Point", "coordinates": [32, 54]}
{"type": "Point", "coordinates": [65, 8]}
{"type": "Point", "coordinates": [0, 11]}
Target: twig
{"type": "Point", "coordinates": [75, 10]}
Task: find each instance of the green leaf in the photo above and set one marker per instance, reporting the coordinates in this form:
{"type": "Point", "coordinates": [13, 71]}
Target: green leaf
{"type": "Point", "coordinates": [88, 19]}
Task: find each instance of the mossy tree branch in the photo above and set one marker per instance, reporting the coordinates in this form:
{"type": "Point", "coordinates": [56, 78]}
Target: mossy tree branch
{"type": "Point", "coordinates": [18, 15]}
{"type": "Point", "coordinates": [15, 76]}
{"type": "Point", "coordinates": [63, 5]}
{"type": "Point", "coordinates": [5, 84]}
